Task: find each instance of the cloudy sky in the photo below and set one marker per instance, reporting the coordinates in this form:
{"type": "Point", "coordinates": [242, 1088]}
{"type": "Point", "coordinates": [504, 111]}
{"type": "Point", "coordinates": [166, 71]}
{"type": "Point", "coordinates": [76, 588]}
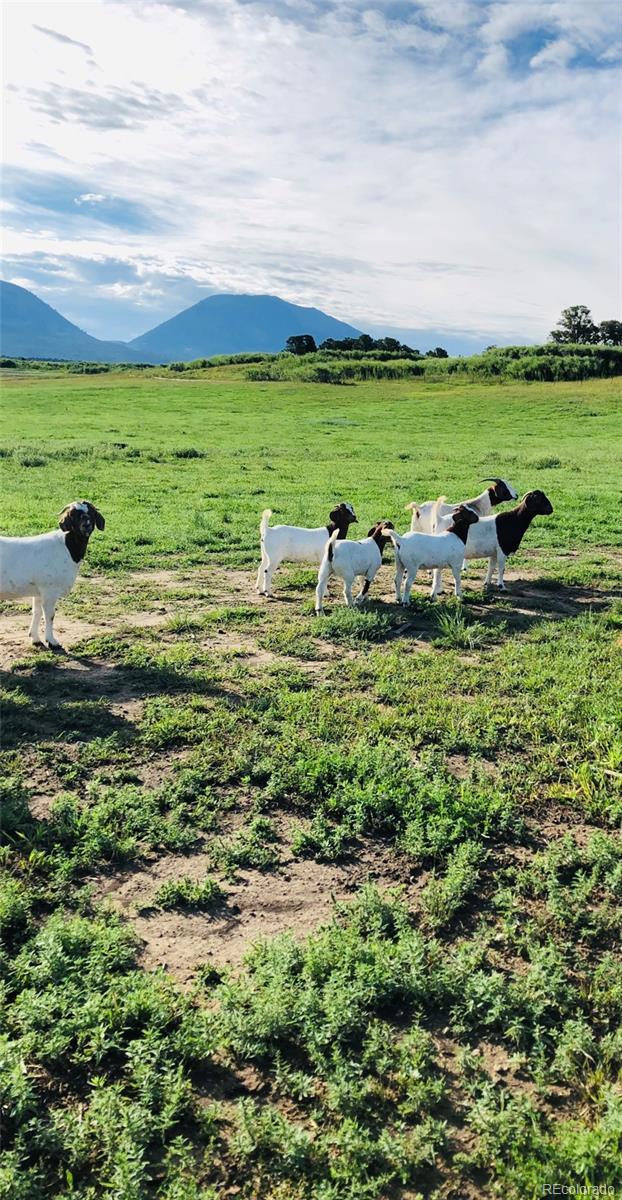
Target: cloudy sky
{"type": "Point", "coordinates": [441, 164]}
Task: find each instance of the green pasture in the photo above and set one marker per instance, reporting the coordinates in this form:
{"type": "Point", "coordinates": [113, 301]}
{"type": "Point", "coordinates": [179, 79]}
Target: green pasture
{"type": "Point", "coordinates": [182, 468]}
{"type": "Point", "coordinates": [407, 824]}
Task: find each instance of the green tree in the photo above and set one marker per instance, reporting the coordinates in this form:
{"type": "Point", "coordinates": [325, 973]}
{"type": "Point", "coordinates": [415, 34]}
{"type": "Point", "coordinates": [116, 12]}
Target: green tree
{"type": "Point", "coordinates": [575, 325]}
{"type": "Point", "coordinates": [610, 333]}
{"type": "Point", "coordinates": [438, 352]}
{"type": "Point", "coordinates": [389, 343]}
{"type": "Point", "coordinates": [302, 343]}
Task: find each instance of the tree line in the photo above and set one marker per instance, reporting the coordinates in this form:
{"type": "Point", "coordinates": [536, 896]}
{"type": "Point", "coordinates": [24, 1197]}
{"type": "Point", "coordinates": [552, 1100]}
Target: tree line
{"type": "Point", "coordinates": [575, 327]}
{"type": "Point", "coordinates": [304, 343]}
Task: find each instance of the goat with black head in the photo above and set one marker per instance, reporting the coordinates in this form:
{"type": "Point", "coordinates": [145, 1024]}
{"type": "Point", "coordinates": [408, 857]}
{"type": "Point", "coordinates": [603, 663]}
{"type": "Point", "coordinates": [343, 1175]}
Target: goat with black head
{"type": "Point", "coordinates": [46, 566]}
{"type": "Point", "coordinates": [295, 543]}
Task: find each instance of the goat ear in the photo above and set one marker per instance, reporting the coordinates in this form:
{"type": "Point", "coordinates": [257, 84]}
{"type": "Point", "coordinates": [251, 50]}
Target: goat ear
{"type": "Point", "coordinates": [65, 516]}
{"type": "Point", "coordinates": [97, 517]}
{"type": "Point", "coordinates": [335, 513]}
{"type": "Point", "coordinates": [372, 531]}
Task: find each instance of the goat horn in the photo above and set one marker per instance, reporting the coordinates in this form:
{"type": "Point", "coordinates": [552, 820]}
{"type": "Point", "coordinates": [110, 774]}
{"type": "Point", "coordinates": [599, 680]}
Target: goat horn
{"type": "Point", "coordinates": [491, 479]}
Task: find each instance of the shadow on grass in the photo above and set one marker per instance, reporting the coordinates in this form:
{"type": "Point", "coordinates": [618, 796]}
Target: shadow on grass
{"type": "Point", "coordinates": [485, 616]}
{"type": "Point", "coordinates": [78, 698]}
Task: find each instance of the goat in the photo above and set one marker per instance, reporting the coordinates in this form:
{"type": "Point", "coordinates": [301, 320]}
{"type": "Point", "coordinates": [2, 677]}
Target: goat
{"type": "Point", "coordinates": [437, 550]}
{"type": "Point", "coordinates": [46, 566]}
{"type": "Point", "coordinates": [350, 560]}
{"type": "Point", "coordinates": [294, 543]}
{"type": "Point", "coordinates": [421, 519]}
{"type": "Point", "coordinates": [495, 538]}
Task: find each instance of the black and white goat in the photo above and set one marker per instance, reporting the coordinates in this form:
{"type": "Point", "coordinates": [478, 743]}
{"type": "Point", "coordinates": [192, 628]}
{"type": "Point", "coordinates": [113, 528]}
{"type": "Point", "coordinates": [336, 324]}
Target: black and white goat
{"type": "Point", "coordinates": [432, 550]}
{"type": "Point", "coordinates": [495, 538]}
{"type": "Point", "coordinates": [294, 543]}
{"type": "Point", "coordinates": [422, 514]}
{"type": "Point", "coordinates": [46, 566]}
{"type": "Point", "coordinates": [352, 560]}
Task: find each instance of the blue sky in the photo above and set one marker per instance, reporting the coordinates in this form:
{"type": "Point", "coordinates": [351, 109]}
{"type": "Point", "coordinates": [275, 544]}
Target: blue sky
{"type": "Point", "coordinates": [441, 164]}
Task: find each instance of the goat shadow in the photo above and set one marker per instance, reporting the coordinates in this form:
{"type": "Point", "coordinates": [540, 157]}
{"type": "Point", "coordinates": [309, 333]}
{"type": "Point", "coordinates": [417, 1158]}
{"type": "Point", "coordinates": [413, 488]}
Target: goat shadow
{"type": "Point", "coordinates": [74, 697]}
{"type": "Point", "coordinates": [524, 605]}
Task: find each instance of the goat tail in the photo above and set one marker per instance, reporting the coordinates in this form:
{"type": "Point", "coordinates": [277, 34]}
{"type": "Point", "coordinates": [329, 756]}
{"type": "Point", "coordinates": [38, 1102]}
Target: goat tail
{"type": "Point", "coordinates": [436, 511]}
{"type": "Point", "coordinates": [390, 533]}
{"type": "Point", "coordinates": [411, 507]}
{"type": "Point", "coordinates": [265, 517]}
{"type": "Point", "coordinates": [330, 545]}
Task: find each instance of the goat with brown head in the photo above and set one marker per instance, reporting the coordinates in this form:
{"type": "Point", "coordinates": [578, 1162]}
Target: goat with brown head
{"type": "Point", "coordinates": [351, 560]}
{"type": "Point", "coordinates": [377, 533]}
{"type": "Point", "coordinates": [77, 521]}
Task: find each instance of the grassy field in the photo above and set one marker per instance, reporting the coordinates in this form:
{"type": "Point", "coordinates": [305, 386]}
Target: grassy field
{"type": "Point", "coordinates": [301, 910]}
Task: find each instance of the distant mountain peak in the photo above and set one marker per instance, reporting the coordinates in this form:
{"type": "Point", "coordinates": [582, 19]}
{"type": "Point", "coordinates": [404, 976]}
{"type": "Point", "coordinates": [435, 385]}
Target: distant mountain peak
{"type": "Point", "coordinates": [233, 323]}
{"type": "Point", "coordinates": [30, 328]}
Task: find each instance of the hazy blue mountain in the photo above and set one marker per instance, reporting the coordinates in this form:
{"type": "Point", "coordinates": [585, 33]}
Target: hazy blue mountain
{"type": "Point", "coordinates": [219, 324]}
{"type": "Point", "coordinates": [230, 324]}
{"type": "Point", "coordinates": [29, 328]}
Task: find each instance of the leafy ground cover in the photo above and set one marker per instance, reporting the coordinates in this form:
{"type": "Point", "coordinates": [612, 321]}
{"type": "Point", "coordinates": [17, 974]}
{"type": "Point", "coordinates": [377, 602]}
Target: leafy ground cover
{"type": "Point", "coordinates": [296, 909]}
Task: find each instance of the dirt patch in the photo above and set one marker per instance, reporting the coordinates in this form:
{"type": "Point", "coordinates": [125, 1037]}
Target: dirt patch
{"type": "Point", "coordinates": [558, 820]}
{"type": "Point", "coordinates": [129, 710]}
{"type": "Point", "coordinates": [15, 643]}
{"type": "Point", "coordinates": [43, 787]}
{"type": "Point", "coordinates": [296, 898]}
{"type": "Point", "coordinates": [461, 765]}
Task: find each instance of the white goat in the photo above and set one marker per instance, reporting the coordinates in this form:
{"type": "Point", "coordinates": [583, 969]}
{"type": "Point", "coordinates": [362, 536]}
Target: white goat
{"type": "Point", "coordinates": [46, 566]}
{"type": "Point", "coordinates": [421, 519]}
{"type": "Point", "coordinates": [495, 538]}
{"type": "Point", "coordinates": [294, 543]}
{"type": "Point", "coordinates": [350, 560]}
{"type": "Point", "coordinates": [436, 550]}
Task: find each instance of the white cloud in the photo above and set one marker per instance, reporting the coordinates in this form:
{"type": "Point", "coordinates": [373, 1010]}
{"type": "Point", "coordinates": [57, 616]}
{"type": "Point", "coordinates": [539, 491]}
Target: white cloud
{"type": "Point", "coordinates": [383, 169]}
{"type": "Point", "coordinates": [89, 198]}
{"type": "Point", "coordinates": [559, 53]}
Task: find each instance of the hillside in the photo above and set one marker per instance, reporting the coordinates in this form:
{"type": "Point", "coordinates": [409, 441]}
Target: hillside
{"type": "Point", "coordinates": [228, 324]}
{"type": "Point", "coordinates": [30, 328]}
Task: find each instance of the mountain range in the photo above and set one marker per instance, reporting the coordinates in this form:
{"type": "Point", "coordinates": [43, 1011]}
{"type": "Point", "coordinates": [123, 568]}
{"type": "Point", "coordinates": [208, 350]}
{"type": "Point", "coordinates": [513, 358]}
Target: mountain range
{"type": "Point", "coordinates": [226, 324]}
{"type": "Point", "coordinates": [219, 324]}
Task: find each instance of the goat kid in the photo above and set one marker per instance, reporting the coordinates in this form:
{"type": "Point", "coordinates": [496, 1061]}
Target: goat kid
{"type": "Point", "coordinates": [294, 543]}
{"type": "Point", "coordinates": [432, 550]}
{"type": "Point", "coordinates": [495, 538]}
{"type": "Point", "coordinates": [46, 566]}
{"type": "Point", "coordinates": [352, 560]}
{"type": "Point", "coordinates": [422, 514]}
